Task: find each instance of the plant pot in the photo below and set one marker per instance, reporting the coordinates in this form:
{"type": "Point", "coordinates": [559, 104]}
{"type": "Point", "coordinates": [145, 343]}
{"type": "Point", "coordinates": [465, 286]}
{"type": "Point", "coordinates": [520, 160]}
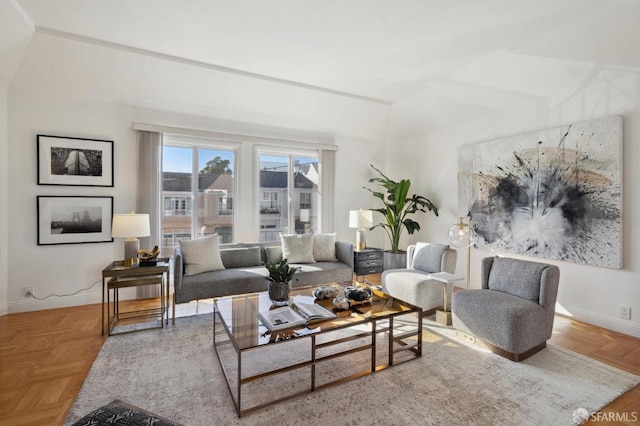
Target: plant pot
{"type": "Point", "coordinates": [279, 293]}
{"type": "Point", "coordinates": [395, 260]}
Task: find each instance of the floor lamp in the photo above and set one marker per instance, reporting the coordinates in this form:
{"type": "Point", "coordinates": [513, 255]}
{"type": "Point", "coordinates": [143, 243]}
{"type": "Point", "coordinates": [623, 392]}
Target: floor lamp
{"type": "Point", "coordinates": [461, 236]}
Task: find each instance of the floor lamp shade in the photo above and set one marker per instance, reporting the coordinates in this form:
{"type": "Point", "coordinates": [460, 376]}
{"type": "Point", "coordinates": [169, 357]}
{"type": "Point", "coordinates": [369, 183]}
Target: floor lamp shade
{"type": "Point", "coordinates": [360, 219]}
{"type": "Point", "coordinates": [130, 226]}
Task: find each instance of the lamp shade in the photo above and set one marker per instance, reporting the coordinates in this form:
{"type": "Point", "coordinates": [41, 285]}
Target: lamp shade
{"type": "Point", "coordinates": [460, 235]}
{"type": "Point", "coordinates": [130, 225]}
{"type": "Point", "coordinates": [360, 218]}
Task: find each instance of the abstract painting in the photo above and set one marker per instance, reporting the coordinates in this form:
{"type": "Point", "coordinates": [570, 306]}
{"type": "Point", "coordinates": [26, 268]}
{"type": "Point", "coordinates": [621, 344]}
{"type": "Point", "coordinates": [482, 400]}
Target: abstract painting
{"type": "Point", "coordinates": [554, 194]}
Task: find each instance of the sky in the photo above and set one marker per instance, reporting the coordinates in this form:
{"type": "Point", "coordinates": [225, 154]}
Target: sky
{"type": "Point", "coordinates": [176, 159]}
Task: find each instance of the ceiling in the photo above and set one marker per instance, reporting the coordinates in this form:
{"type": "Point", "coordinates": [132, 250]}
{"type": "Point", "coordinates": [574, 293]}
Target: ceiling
{"type": "Point", "coordinates": [383, 50]}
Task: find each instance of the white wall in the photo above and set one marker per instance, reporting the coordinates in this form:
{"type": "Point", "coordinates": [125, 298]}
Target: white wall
{"type": "Point", "coordinates": [68, 88]}
{"type": "Point", "coordinates": [590, 294]}
{"type": "Point", "coordinates": [4, 195]}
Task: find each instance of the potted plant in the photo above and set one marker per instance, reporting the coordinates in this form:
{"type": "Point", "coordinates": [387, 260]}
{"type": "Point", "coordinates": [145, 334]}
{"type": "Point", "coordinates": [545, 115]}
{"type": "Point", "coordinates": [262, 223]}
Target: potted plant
{"type": "Point", "coordinates": [397, 208]}
{"type": "Point", "coordinates": [280, 276]}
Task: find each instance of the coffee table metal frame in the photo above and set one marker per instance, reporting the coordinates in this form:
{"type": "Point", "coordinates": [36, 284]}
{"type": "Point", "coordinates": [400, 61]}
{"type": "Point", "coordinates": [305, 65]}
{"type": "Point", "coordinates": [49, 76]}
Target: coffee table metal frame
{"type": "Point", "coordinates": [379, 315]}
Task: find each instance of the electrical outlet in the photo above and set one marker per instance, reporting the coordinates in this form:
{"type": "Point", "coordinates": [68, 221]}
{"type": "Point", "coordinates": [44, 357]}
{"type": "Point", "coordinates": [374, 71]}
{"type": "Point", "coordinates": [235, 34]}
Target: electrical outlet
{"type": "Point", "coordinates": [27, 291]}
{"type": "Point", "coordinates": [624, 312]}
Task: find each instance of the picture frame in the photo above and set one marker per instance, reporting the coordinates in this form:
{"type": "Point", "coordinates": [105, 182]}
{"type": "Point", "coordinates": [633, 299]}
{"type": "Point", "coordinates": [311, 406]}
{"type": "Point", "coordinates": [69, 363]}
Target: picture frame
{"type": "Point", "coordinates": [553, 194]}
{"type": "Point", "coordinates": [72, 161]}
{"type": "Point", "coordinates": [74, 220]}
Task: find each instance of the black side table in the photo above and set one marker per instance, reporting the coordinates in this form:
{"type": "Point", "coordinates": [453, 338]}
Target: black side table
{"type": "Point", "coordinates": [368, 261]}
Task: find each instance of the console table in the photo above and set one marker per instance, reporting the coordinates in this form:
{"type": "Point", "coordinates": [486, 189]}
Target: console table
{"type": "Point", "coordinates": [116, 276]}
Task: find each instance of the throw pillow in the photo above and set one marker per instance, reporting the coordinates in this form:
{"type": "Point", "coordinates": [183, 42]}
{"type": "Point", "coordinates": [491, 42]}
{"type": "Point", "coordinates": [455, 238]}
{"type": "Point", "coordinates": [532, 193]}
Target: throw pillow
{"type": "Point", "coordinates": [273, 253]}
{"type": "Point", "coordinates": [324, 247]}
{"type": "Point", "coordinates": [428, 257]}
{"type": "Point", "coordinates": [297, 248]}
{"type": "Point", "coordinates": [201, 255]}
{"type": "Point", "coordinates": [241, 257]}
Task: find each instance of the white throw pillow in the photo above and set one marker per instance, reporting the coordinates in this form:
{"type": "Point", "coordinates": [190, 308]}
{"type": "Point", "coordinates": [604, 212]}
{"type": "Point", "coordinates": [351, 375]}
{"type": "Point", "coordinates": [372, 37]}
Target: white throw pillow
{"type": "Point", "coordinates": [297, 248]}
{"type": "Point", "coordinates": [324, 247]}
{"type": "Point", "coordinates": [201, 255]}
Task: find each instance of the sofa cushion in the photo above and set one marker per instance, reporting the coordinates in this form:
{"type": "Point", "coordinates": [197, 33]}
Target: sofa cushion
{"type": "Point", "coordinates": [324, 247]}
{"type": "Point", "coordinates": [428, 257]}
{"type": "Point", "coordinates": [201, 255]}
{"type": "Point", "coordinates": [517, 277]}
{"type": "Point", "coordinates": [241, 257]}
{"type": "Point", "coordinates": [297, 248]}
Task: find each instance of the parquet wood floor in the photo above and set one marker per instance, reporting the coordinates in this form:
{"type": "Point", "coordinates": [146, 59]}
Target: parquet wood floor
{"type": "Point", "coordinates": [46, 355]}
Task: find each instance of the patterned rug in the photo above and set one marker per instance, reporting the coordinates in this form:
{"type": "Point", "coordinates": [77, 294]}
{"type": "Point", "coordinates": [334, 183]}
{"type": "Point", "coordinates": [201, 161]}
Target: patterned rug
{"type": "Point", "coordinates": [174, 372]}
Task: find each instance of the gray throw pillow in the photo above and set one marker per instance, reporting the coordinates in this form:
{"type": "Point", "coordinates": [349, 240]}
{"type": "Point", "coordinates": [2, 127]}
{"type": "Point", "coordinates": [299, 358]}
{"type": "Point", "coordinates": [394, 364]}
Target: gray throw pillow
{"type": "Point", "coordinates": [428, 257]}
{"type": "Point", "coordinates": [273, 253]}
{"type": "Point", "coordinates": [241, 257]}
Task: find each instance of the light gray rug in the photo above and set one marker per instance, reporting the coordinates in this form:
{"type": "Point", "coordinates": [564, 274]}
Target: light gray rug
{"type": "Point", "coordinates": [174, 372]}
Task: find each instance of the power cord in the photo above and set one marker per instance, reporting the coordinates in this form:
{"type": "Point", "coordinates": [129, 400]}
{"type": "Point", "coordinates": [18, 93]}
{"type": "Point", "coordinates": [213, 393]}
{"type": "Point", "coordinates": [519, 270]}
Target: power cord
{"type": "Point", "coordinates": [63, 295]}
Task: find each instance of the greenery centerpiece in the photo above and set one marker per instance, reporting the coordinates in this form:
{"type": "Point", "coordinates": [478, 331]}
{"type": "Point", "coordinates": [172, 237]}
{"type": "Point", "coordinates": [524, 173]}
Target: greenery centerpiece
{"type": "Point", "coordinates": [280, 276]}
{"type": "Point", "coordinates": [398, 207]}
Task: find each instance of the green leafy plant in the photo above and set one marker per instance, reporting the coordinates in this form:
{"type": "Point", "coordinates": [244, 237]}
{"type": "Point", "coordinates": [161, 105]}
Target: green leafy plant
{"type": "Point", "coordinates": [280, 272]}
{"type": "Point", "coordinates": [398, 205]}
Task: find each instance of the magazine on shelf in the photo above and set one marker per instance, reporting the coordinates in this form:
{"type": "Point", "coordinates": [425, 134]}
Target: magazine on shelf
{"type": "Point", "coordinates": [286, 317]}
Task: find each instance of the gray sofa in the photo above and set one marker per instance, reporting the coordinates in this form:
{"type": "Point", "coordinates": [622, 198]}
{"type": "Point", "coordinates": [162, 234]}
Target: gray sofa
{"type": "Point", "coordinates": [245, 271]}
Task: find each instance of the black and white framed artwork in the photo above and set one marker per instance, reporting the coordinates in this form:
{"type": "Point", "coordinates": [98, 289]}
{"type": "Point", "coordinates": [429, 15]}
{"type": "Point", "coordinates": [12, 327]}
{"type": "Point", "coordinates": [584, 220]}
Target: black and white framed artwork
{"type": "Point", "coordinates": [74, 220]}
{"type": "Point", "coordinates": [554, 194]}
{"type": "Point", "coordinates": [74, 161]}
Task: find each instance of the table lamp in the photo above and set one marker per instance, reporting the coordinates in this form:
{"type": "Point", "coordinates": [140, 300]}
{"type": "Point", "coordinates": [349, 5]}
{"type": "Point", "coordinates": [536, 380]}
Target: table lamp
{"type": "Point", "coordinates": [360, 219]}
{"type": "Point", "coordinates": [461, 236]}
{"type": "Point", "coordinates": [130, 226]}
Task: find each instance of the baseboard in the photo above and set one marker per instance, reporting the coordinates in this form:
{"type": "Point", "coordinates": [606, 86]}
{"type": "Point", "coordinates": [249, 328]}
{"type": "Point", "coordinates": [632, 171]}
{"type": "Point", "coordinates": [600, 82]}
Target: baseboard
{"type": "Point", "coordinates": [29, 305]}
{"type": "Point", "coordinates": [4, 309]}
{"type": "Point", "coordinates": [615, 324]}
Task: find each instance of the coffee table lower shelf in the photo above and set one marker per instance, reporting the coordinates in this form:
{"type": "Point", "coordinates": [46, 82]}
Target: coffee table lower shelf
{"type": "Point", "coordinates": [384, 341]}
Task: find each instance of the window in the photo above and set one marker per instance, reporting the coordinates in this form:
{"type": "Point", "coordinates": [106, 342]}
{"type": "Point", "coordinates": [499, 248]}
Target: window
{"type": "Point", "coordinates": [243, 188]}
{"type": "Point", "coordinates": [197, 193]}
{"type": "Point", "coordinates": [288, 177]}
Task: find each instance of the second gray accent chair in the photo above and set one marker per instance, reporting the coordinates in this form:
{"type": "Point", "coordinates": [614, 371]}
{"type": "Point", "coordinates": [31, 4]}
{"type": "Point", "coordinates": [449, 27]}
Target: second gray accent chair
{"type": "Point", "coordinates": [513, 311]}
{"type": "Point", "coordinates": [412, 284]}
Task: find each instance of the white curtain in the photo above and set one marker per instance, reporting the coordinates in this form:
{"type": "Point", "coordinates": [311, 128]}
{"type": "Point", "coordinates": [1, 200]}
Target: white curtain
{"type": "Point", "coordinates": [149, 194]}
{"type": "Point", "coordinates": [327, 188]}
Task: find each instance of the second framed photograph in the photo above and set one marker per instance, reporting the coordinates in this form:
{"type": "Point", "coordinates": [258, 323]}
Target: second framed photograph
{"type": "Point", "coordinates": [74, 161]}
{"type": "Point", "coordinates": [74, 220]}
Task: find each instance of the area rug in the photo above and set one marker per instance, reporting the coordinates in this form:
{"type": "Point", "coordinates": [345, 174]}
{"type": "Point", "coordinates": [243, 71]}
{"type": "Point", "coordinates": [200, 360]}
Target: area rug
{"type": "Point", "coordinates": [174, 373]}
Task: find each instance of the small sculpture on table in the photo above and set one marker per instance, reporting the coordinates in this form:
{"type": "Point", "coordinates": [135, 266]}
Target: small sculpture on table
{"type": "Point", "coordinates": [148, 258]}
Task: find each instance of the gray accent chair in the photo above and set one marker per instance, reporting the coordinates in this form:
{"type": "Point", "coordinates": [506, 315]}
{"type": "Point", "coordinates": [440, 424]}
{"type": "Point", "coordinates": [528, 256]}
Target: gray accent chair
{"type": "Point", "coordinates": [513, 311]}
{"type": "Point", "coordinates": [413, 285]}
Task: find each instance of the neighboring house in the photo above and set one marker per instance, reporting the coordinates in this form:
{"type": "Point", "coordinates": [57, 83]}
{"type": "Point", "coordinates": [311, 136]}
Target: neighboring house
{"type": "Point", "coordinates": [214, 206]}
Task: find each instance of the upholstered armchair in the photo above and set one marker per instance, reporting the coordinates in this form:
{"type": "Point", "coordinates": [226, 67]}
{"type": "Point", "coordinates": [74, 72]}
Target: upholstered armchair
{"type": "Point", "coordinates": [513, 311]}
{"type": "Point", "coordinates": [413, 285]}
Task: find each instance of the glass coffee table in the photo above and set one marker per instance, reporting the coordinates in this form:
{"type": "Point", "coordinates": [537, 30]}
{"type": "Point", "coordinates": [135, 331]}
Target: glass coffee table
{"type": "Point", "coordinates": [263, 368]}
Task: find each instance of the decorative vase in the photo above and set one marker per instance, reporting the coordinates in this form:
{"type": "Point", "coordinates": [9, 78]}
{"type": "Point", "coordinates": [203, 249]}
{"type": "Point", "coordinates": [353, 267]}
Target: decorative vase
{"type": "Point", "coordinates": [279, 293]}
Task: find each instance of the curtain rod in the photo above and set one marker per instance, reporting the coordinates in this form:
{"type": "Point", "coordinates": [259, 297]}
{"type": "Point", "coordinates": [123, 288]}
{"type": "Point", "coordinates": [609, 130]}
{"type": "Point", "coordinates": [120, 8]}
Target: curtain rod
{"type": "Point", "coordinates": [231, 136]}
